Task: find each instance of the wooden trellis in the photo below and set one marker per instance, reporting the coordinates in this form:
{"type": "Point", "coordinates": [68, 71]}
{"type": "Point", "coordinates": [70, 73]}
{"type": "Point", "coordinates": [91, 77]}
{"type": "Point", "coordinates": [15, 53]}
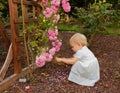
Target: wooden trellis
{"type": "Point", "coordinates": [28, 12]}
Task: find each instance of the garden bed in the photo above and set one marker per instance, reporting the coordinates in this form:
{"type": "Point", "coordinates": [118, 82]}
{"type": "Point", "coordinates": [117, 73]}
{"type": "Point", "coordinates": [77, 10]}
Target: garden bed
{"type": "Point", "coordinates": [52, 78]}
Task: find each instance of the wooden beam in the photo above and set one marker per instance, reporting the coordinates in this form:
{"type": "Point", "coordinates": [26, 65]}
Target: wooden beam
{"type": "Point", "coordinates": [6, 63]}
{"type": "Point", "coordinates": [9, 81]}
{"type": "Point", "coordinates": [25, 2]}
{"type": "Point", "coordinates": [19, 39]}
{"type": "Point", "coordinates": [14, 31]}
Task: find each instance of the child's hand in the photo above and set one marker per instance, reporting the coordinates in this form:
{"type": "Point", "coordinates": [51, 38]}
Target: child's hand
{"type": "Point", "coordinates": [58, 59]}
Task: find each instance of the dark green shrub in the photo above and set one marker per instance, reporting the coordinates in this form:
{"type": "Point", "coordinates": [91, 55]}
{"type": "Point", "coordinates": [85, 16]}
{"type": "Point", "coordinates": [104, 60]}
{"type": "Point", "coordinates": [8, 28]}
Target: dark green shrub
{"type": "Point", "coordinates": [96, 18]}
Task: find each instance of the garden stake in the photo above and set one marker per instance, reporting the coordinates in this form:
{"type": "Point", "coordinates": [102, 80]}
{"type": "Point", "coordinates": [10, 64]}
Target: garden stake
{"type": "Point", "coordinates": [24, 36]}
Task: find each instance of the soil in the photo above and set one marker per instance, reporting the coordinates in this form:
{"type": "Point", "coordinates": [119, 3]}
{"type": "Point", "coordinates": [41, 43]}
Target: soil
{"type": "Point", "coordinates": [52, 78]}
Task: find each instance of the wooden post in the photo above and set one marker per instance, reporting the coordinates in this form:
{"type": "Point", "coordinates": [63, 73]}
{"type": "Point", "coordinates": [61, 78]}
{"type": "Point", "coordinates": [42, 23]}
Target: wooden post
{"type": "Point", "coordinates": [14, 31]}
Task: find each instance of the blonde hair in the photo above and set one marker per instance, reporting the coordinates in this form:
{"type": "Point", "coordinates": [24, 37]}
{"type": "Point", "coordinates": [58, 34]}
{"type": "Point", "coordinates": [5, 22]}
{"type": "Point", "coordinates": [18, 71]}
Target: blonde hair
{"type": "Point", "coordinates": [79, 38]}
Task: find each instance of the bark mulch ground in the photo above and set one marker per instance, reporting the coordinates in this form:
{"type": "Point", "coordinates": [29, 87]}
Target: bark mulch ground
{"type": "Point", "coordinates": [52, 78]}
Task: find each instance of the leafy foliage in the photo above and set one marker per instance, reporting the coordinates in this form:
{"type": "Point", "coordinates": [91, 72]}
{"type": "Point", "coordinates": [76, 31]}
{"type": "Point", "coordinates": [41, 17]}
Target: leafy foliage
{"type": "Point", "coordinates": [115, 18]}
{"type": "Point", "coordinates": [36, 38]}
{"type": "Point", "coordinates": [97, 17]}
{"type": "Point", "coordinates": [2, 52]}
{"type": "Point", "coordinates": [4, 10]}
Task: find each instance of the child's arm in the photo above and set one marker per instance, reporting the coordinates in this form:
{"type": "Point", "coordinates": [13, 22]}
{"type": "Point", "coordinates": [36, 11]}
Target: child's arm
{"type": "Point", "coordinates": [67, 60]}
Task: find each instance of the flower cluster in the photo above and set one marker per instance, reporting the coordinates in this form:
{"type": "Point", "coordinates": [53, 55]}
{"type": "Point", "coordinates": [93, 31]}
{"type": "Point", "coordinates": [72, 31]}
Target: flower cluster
{"type": "Point", "coordinates": [50, 12]}
{"type": "Point", "coordinates": [56, 43]}
{"type": "Point", "coordinates": [55, 4]}
{"type": "Point", "coordinates": [48, 56]}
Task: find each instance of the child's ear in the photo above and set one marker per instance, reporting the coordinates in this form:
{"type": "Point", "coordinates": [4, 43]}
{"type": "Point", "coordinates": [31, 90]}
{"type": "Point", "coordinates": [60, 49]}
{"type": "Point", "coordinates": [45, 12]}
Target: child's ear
{"type": "Point", "coordinates": [79, 44]}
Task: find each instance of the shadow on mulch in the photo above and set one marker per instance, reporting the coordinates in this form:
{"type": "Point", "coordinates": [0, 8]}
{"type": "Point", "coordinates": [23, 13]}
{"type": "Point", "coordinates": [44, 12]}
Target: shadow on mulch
{"type": "Point", "coordinates": [52, 78]}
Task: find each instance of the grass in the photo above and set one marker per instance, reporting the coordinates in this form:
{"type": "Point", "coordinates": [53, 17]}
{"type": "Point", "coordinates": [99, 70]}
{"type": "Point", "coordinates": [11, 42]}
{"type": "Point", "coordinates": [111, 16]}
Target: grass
{"type": "Point", "coordinates": [68, 27]}
{"type": "Point", "coordinates": [111, 30]}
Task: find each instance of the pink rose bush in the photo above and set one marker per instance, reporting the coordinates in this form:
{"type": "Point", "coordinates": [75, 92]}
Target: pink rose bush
{"type": "Point", "coordinates": [50, 12]}
{"type": "Point", "coordinates": [48, 56]}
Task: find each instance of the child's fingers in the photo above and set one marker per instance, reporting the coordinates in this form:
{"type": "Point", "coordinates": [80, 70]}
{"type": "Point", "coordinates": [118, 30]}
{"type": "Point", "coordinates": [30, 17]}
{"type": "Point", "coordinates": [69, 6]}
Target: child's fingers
{"type": "Point", "coordinates": [57, 59]}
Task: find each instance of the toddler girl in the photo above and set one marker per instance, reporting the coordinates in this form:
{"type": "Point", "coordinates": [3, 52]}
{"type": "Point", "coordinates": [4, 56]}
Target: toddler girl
{"type": "Point", "coordinates": [85, 68]}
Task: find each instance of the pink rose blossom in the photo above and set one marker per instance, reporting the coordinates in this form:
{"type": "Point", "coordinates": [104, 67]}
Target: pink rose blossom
{"type": "Point", "coordinates": [56, 42]}
{"type": "Point", "coordinates": [58, 45]}
{"type": "Point", "coordinates": [52, 51]}
{"type": "Point", "coordinates": [66, 7]}
{"type": "Point", "coordinates": [44, 54]}
{"type": "Point", "coordinates": [55, 5]}
{"type": "Point", "coordinates": [56, 32]}
{"type": "Point", "coordinates": [48, 12]}
{"type": "Point", "coordinates": [54, 9]}
{"type": "Point", "coordinates": [55, 2]}
{"type": "Point", "coordinates": [51, 38]}
{"type": "Point", "coordinates": [52, 32]}
{"type": "Point", "coordinates": [53, 43]}
{"type": "Point", "coordinates": [52, 35]}
{"type": "Point", "coordinates": [57, 48]}
{"type": "Point", "coordinates": [49, 58]}
{"type": "Point", "coordinates": [40, 61]}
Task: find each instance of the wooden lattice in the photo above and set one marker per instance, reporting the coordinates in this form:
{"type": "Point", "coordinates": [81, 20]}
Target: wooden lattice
{"type": "Point", "coordinates": [18, 21]}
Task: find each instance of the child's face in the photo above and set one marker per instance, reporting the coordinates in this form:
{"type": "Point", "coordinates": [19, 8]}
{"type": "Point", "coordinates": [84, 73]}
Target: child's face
{"type": "Point", "coordinates": [75, 46]}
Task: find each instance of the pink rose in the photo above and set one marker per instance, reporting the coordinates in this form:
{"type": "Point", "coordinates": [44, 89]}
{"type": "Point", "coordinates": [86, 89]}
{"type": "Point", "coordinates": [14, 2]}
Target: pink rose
{"type": "Point", "coordinates": [52, 51]}
{"type": "Point", "coordinates": [57, 48]}
{"type": "Point", "coordinates": [52, 35]}
{"type": "Point", "coordinates": [52, 38]}
{"type": "Point", "coordinates": [48, 12]}
{"type": "Point", "coordinates": [58, 45]}
{"type": "Point", "coordinates": [40, 61]}
{"type": "Point", "coordinates": [54, 9]}
{"type": "Point", "coordinates": [66, 7]}
{"type": "Point", "coordinates": [49, 58]}
{"type": "Point", "coordinates": [53, 43]}
{"type": "Point", "coordinates": [55, 5]}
